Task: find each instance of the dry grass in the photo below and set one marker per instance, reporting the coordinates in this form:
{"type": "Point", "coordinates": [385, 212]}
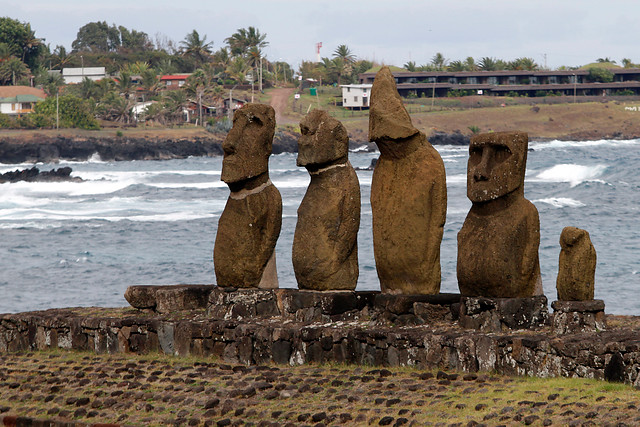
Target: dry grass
{"type": "Point", "coordinates": [158, 389]}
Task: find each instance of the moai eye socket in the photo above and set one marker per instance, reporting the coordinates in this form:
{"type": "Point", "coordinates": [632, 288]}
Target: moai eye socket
{"type": "Point", "coordinates": [502, 153]}
{"type": "Point", "coordinates": [475, 155]}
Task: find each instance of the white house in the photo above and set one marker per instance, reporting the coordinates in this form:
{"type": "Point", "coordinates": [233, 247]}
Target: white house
{"type": "Point", "coordinates": [16, 100]}
{"type": "Point", "coordinates": [76, 75]}
{"type": "Point", "coordinates": [356, 96]}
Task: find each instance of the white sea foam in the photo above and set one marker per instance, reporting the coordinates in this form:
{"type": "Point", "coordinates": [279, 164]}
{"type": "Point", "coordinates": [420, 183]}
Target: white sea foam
{"type": "Point", "coordinates": [199, 185]}
{"type": "Point", "coordinates": [555, 144]}
{"type": "Point", "coordinates": [561, 202]}
{"type": "Point", "coordinates": [571, 173]}
{"type": "Point", "coordinates": [457, 179]}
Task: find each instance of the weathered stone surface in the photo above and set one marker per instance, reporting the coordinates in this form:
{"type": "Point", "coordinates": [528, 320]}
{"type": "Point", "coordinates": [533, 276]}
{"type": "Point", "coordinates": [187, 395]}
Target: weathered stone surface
{"type": "Point", "coordinates": [498, 242]}
{"type": "Point", "coordinates": [577, 266]}
{"type": "Point", "coordinates": [611, 354]}
{"type": "Point", "coordinates": [408, 196]}
{"type": "Point", "coordinates": [571, 317]}
{"type": "Point", "coordinates": [249, 226]}
{"type": "Point", "coordinates": [165, 299]}
{"type": "Point", "coordinates": [499, 314]}
{"type": "Point", "coordinates": [325, 249]}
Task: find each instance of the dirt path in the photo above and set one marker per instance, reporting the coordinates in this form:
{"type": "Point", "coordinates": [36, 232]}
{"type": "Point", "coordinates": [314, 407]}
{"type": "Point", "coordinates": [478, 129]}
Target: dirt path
{"type": "Point", "coordinates": [278, 101]}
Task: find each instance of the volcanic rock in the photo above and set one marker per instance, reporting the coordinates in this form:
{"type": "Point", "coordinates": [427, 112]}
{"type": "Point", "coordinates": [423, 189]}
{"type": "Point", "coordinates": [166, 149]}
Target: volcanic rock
{"type": "Point", "coordinates": [408, 196]}
{"type": "Point", "coordinates": [325, 249]}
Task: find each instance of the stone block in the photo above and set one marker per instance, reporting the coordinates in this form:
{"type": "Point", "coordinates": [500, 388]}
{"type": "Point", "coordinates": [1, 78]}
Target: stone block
{"type": "Point", "coordinates": [571, 317]}
{"type": "Point", "coordinates": [165, 299]}
{"type": "Point", "coordinates": [503, 314]}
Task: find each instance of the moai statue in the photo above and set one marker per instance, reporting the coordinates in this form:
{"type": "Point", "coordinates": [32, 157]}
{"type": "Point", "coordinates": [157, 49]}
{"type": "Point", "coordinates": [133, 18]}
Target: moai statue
{"type": "Point", "coordinates": [325, 247]}
{"type": "Point", "coordinates": [498, 242]}
{"type": "Point", "coordinates": [243, 255]}
{"type": "Point", "coordinates": [577, 269]}
{"type": "Point", "coordinates": [408, 196]}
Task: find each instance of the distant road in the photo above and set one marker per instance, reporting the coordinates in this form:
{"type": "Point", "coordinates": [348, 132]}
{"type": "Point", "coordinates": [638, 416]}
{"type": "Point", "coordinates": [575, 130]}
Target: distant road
{"type": "Point", "coordinates": [278, 101]}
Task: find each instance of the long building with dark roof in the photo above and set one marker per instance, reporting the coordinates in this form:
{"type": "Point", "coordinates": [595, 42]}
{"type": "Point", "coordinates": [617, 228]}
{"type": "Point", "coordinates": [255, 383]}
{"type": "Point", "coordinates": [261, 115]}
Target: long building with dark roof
{"type": "Point", "coordinates": [522, 83]}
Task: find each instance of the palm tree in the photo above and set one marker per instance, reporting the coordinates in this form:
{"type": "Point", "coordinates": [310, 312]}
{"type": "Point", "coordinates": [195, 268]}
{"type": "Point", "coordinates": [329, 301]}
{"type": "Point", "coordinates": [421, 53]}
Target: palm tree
{"type": "Point", "coordinates": [488, 64]}
{"type": "Point", "coordinates": [457, 66]}
{"type": "Point", "coordinates": [410, 66]}
{"type": "Point", "coordinates": [12, 70]}
{"type": "Point", "coordinates": [344, 59]}
{"type": "Point", "coordinates": [470, 64]}
{"type": "Point", "coordinates": [523, 64]}
{"type": "Point", "coordinates": [50, 82]}
{"type": "Point", "coordinates": [439, 62]}
{"type": "Point", "coordinates": [196, 47]}
{"type": "Point", "coordinates": [244, 39]}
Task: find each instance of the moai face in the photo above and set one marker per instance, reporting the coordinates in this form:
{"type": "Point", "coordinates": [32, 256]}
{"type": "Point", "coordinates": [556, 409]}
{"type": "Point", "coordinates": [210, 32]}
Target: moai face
{"type": "Point", "coordinates": [248, 145]}
{"type": "Point", "coordinates": [323, 140]}
{"type": "Point", "coordinates": [496, 165]}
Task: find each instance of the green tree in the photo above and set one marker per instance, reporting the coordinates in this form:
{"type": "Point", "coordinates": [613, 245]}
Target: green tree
{"type": "Point", "coordinates": [523, 64]}
{"type": "Point", "coordinates": [12, 70]}
{"type": "Point", "coordinates": [74, 112]}
{"type": "Point", "coordinates": [97, 37]}
{"type": "Point", "coordinates": [599, 74]}
{"type": "Point", "coordinates": [21, 41]}
{"type": "Point", "coordinates": [50, 82]}
{"type": "Point", "coordinates": [241, 42]}
{"type": "Point", "coordinates": [439, 62]}
{"type": "Point", "coordinates": [135, 41]}
{"type": "Point", "coordinates": [410, 66]}
{"type": "Point", "coordinates": [197, 48]}
{"type": "Point", "coordinates": [344, 59]}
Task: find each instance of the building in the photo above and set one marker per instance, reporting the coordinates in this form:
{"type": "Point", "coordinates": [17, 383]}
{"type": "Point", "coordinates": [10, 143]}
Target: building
{"type": "Point", "coordinates": [16, 100]}
{"type": "Point", "coordinates": [356, 96]}
{"type": "Point", "coordinates": [173, 81]}
{"type": "Point", "coordinates": [76, 75]}
{"type": "Point", "coordinates": [521, 83]}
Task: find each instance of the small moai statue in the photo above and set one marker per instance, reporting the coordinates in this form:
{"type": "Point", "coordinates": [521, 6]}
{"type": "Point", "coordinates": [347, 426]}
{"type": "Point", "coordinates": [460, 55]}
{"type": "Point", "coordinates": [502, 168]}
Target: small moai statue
{"type": "Point", "coordinates": [325, 246]}
{"type": "Point", "coordinates": [408, 196]}
{"type": "Point", "coordinates": [499, 240]}
{"type": "Point", "coordinates": [243, 255]}
{"type": "Point", "coordinates": [577, 266]}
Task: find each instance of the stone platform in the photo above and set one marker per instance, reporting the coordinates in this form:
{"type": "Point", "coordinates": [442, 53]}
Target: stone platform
{"type": "Point", "coordinates": [295, 327]}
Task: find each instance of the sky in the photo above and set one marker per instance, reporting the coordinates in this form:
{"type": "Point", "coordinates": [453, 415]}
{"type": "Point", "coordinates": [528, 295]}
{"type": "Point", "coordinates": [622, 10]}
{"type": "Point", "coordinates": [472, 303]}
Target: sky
{"type": "Point", "coordinates": [553, 32]}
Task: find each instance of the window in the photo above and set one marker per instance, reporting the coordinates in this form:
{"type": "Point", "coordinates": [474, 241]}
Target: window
{"type": "Point", "coordinates": [472, 80]}
{"type": "Point", "coordinates": [493, 80]}
{"type": "Point", "coordinates": [13, 107]}
{"type": "Point", "coordinates": [553, 80]}
{"type": "Point", "coordinates": [511, 80]}
{"type": "Point", "coordinates": [355, 99]}
{"type": "Point", "coordinates": [345, 101]}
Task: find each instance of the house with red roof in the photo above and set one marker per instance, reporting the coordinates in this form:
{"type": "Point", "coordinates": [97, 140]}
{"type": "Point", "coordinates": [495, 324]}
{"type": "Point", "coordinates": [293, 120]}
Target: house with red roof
{"type": "Point", "coordinates": [173, 81]}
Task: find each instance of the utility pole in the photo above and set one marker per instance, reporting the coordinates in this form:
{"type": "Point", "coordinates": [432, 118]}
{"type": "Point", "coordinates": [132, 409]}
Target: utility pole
{"type": "Point", "coordinates": [260, 76]}
{"type": "Point", "coordinates": [57, 110]}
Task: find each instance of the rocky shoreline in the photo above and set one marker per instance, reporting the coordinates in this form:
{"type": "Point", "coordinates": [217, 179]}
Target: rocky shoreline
{"type": "Point", "coordinates": [47, 149]}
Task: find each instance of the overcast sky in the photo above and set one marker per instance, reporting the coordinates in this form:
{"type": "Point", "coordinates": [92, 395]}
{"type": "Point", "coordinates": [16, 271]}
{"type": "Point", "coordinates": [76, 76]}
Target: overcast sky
{"type": "Point", "coordinates": [565, 32]}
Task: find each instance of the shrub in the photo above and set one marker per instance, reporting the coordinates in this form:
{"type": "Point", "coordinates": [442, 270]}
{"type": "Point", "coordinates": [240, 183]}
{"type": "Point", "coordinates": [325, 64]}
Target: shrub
{"type": "Point", "coordinates": [6, 122]}
{"type": "Point", "coordinates": [74, 112]}
{"type": "Point", "coordinates": [601, 75]}
{"type": "Point", "coordinates": [474, 129]}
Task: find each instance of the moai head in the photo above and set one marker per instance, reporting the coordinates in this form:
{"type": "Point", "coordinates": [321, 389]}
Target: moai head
{"type": "Point", "coordinates": [496, 167]}
{"type": "Point", "coordinates": [247, 147]}
{"type": "Point", "coordinates": [389, 122]}
{"type": "Point", "coordinates": [323, 140]}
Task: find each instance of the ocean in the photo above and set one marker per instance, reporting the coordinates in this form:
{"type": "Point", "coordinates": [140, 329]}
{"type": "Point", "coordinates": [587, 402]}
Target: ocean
{"type": "Point", "coordinates": [154, 223]}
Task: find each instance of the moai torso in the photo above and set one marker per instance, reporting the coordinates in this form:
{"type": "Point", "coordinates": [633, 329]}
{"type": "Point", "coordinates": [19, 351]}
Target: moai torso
{"type": "Point", "coordinates": [499, 240]}
{"type": "Point", "coordinates": [408, 197]}
{"type": "Point", "coordinates": [577, 266]}
{"type": "Point", "coordinates": [325, 249]}
{"type": "Point", "coordinates": [249, 226]}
